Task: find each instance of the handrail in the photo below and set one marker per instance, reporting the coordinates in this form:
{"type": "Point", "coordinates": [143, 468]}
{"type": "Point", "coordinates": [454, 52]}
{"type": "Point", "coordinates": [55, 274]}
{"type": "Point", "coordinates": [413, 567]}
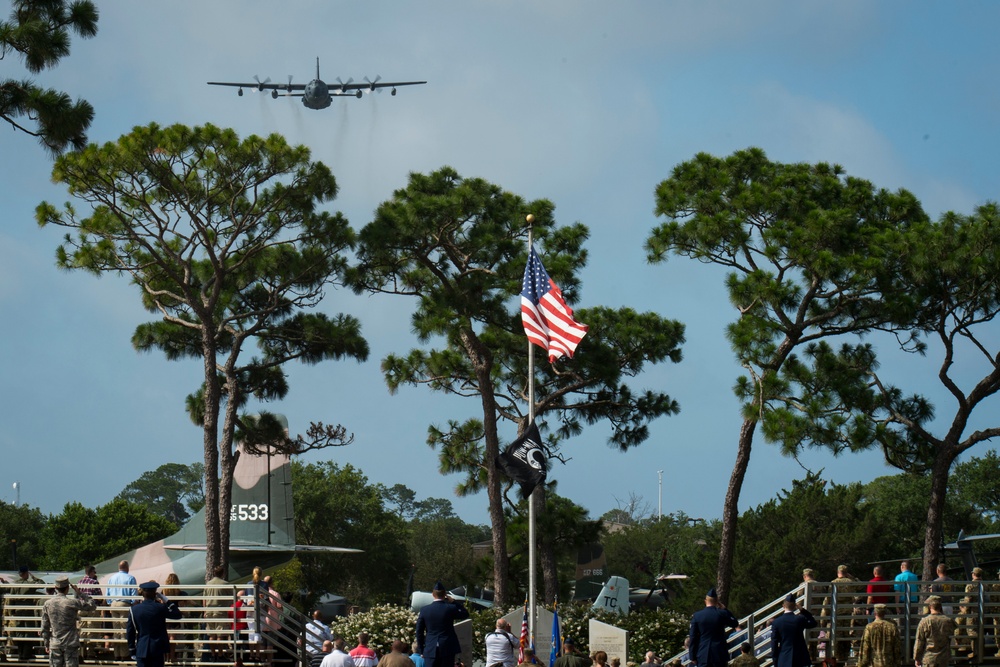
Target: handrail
{"type": "Point", "coordinates": [205, 633]}
{"type": "Point", "coordinates": [842, 612]}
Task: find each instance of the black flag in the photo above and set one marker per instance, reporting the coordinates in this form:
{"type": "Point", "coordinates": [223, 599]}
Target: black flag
{"type": "Point", "coordinates": [524, 460]}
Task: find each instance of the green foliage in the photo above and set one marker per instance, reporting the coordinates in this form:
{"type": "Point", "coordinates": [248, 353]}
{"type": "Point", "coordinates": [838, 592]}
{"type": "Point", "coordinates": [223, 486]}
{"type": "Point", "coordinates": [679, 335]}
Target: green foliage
{"type": "Point", "coordinates": [815, 524]}
{"type": "Point", "coordinates": [459, 247]}
{"type": "Point", "coordinates": [810, 254]}
{"type": "Point", "coordinates": [659, 630]}
{"type": "Point", "coordinates": [336, 505]}
{"type": "Point", "coordinates": [441, 550]}
{"type": "Point", "coordinates": [676, 544]}
{"type": "Point", "coordinates": [291, 578]}
{"type": "Point", "coordinates": [21, 527]}
{"type": "Point", "coordinates": [80, 535]}
{"type": "Point", "coordinates": [174, 491]}
{"type": "Point", "coordinates": [39, 33]}
{"type": "Point", "coordinates": [976, 483]}
{"type": "Point", "coordinates": [383, 623]}
{"type": "Point", "coordinates": [561, 523]}
{"type": "Point", "coordinates": [225, 243]}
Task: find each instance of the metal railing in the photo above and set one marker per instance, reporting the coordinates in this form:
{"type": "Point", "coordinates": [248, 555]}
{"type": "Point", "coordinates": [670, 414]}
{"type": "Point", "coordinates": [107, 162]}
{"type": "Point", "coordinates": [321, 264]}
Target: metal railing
{"type": "Point", "coordinates": [842, 611]}
{"type": "Point", "coordinates": [265, 632]}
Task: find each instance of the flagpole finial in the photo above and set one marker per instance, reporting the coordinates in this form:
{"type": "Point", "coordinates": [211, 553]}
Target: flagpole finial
{"type": "Point", "coordinates": [530, 219]}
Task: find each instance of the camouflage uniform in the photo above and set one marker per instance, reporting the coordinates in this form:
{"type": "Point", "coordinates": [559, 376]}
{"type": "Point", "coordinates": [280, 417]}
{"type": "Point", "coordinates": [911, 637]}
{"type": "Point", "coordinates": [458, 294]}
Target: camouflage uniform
{"type": "Point", "coordinates": [745, 660]}
{"type": "Point", "coordinates": [966, 630]}
{"type": "Point", "coordinates": [880, 645]}
{"type": "Point", "coordinates": [932, 647]}
{"type": "Point", "coordinates": [994, 611]}
{"type": "Point", "coordinates": [60, 634]}
{"type": "Point", "coordinates": [17, 624]}
{"type": "Point", "coordinates": [842, 643]}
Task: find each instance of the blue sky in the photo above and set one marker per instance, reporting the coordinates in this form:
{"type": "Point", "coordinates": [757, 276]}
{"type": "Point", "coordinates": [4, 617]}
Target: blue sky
{"type": "Point", "coordinates": [589, 104]}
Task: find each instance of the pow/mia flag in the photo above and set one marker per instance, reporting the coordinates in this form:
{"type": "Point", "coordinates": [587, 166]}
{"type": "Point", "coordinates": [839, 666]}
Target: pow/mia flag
{"type": "Point", "coordinates": [524, 460]}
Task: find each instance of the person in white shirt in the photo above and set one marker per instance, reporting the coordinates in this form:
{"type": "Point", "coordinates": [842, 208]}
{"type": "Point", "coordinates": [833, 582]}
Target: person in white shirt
{"type": "Point", "coordinates": [501, 646]}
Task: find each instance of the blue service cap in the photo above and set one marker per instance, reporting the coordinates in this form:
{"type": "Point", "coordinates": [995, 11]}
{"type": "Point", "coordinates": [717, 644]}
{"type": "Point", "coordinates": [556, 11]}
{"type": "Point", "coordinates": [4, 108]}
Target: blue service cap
{"type": "Point", "coordinates": [149, 586]}
{"type": "Point", "coordinates": [712, 594]}
{"type": "Point", "coordinates": [790, 598]}
{"type": "Point", "coordinates": [439, 587]}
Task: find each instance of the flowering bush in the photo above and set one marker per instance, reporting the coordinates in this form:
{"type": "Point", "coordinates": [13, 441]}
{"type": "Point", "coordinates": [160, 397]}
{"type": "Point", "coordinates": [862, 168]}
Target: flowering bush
{"type": "Point", "coordinates": [659, 630]}
{"type": "Point", "coordinates": [383, 623]}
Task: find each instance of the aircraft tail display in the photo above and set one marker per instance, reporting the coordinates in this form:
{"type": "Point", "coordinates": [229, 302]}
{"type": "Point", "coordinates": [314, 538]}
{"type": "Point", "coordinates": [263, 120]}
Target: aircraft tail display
{"type": "Point", "coordinates": [614, 596]}
{"type": "Point", "coordinates": [261, 527]}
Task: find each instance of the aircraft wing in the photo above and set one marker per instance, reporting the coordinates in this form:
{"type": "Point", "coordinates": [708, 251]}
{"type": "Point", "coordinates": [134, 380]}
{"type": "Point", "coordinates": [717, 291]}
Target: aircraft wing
{"type": "Point", "coordinates": [261, 86]}
{"type": "Point", "coordinates": [269, 548]}
{"type": "Point", "coordinates": [362, 85]}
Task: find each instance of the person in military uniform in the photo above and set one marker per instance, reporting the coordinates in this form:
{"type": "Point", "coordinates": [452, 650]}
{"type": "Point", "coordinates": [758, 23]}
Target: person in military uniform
{"type": "Point", "coordinates": [746, 658]}
{"type": "Point", "coordinates": [710, 632]}
{"type": "Point", "coordinates": [966, 631]}
{"type": "Point", "coordinates": [848, 600]}
{"type": "Point", "coordinates": [880, 643]}
{"type": "Point", "coordinates": [994, 611]}
{"type": "Point", "coordinates": [146, 631]}
{"type": "Point", "coordinates": [932, 646]}
{"type": "Point", "coordinates": [60, 634]}
{"type": "Point", "coordinates": [570, 658]}
{"type": "Point", "coordinates": [18, 620]}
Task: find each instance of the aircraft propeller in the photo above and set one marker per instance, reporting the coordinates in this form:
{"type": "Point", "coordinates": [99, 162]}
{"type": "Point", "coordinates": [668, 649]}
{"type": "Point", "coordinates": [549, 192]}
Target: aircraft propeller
{"type": "Point", "coordinates": [344, 85]}
{"type": "Point", "coordinates": [289, 86]}
{"type": "Point", "coordinates": [371, 84]}
{"type": "Point", "coordinates": [663, 559]}
{"type": "Point", "coordinates": [261, 84]}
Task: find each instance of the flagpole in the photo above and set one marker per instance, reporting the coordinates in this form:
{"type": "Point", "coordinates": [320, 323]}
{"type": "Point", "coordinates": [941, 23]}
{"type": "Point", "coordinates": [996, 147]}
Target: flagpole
{"type": "Point", "coordinates": [530, 219]}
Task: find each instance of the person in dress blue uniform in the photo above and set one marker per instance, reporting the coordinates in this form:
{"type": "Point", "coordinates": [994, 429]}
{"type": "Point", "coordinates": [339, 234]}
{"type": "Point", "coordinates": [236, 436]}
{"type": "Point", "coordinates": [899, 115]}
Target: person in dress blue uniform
{"type": "Point", "coordinates": [788, 643]}
{"type": "Point", "coordinates": [146, 631]}
{"type": "Point", "coordinates": [436, 638]}
{"type": "Point", "coordinates": [709, 633]}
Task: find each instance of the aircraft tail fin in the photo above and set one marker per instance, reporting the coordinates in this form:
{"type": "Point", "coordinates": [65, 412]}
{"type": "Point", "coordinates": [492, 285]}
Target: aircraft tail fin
{"type": "Point", "coordinates": [614, 596]}
{"type": "Point", "coordinates": [261, 510]}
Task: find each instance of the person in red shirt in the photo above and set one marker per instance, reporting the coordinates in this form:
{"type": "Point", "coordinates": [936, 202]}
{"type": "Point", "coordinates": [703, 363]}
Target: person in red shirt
{"type": "Point", "coordinates": [878, 593]}
{"type": "Point", "coordinates": [362, 655]}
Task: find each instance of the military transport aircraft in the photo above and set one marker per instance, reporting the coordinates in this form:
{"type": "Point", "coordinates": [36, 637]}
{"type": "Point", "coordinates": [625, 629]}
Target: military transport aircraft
{"type": "Point", "coordinates": [262, 532]}
{"type": "Point", "coordinates": [317, 94]}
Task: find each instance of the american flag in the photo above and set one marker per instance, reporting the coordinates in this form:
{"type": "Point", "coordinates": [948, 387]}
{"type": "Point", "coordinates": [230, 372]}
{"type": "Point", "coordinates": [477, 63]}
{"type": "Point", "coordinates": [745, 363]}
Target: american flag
{"type": "Point", "coordinates": [524, 634]}
{"type": "Point", "coordinates": [548, 321]}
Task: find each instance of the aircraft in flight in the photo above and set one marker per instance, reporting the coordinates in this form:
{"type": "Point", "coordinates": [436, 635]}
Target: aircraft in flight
{"type": "Point", "coordinates": [317, 94]}
{"type": "Point", "coordinates": [262, 532]}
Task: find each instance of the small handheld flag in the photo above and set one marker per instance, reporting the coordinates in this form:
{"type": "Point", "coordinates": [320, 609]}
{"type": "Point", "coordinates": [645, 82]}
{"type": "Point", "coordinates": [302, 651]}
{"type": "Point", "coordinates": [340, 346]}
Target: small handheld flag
{"type": "Point", "coordinates": [548, 321]}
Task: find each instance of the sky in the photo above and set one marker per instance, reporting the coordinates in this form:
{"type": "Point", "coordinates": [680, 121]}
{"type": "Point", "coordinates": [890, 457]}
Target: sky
{"type": "Point", "coordinates": [588, 104]}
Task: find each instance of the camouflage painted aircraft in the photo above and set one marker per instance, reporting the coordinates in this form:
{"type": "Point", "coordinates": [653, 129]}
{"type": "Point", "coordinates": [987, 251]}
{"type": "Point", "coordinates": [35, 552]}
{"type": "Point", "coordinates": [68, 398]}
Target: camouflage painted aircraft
{"type": "Point", "coordinates": [262, 532]}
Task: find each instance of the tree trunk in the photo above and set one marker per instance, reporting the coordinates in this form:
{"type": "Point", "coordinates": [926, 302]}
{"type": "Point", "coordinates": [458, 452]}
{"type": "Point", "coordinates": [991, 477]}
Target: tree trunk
{"type": "Point", "coordinates": [731, 510]}
{"type": "Point", "coordinates": [213, 536]}
{"type": "Point", "coordinates": [546, 552]}
{"type": "Point", "coordinates": [946, 455]}
{"type": "Point", "coordinates": [482, 362]}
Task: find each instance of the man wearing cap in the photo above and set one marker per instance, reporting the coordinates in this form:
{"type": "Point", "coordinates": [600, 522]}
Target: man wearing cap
{"type": "Point", "coordinates": [932, 646]}
{"type": "Point", "coordinates": [880, 643]}
{"type": "Point", "coordinates": [18, 599]}
{"type": "Point", "coordinates": [709, 632]}
{"type": "Point", "coordinates": [848, 605]}
{"type": "Point", "coordinates": [60, 635]}
{"type": "Point", "coordinates": [570, 658]}
{"type": "Point", "coordinates": [788, 643]}
{"type": "Point", "coordinates": [146, 632]}
{"type": "Point", "coordinates": [436, 636]}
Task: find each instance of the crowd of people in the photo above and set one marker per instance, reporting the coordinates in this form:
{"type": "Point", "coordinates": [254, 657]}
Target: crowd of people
{"type": "Point", "coordinates": [858, 621]}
